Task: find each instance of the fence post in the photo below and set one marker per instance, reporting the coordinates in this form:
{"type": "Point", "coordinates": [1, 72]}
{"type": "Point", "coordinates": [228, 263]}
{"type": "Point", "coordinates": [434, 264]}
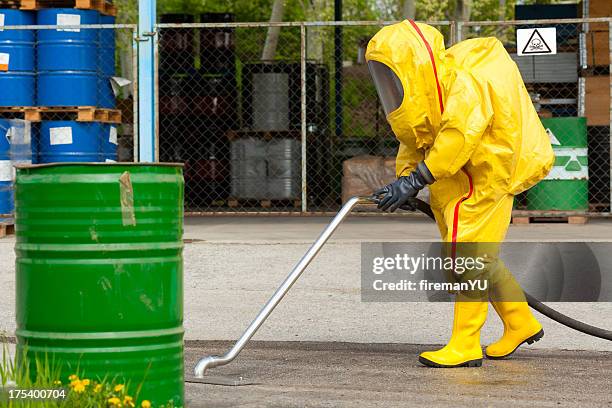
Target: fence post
{"type": "Point", "coordinates": [303, 80]}
{"type": "Point", "coordinates": [459, 34]}
{"type": "Point", "coordinates": [146, 80]}
{"type": "Point", "coordinates": [610, 104]}
{"type": "Point", "coordinates": [135, 93]}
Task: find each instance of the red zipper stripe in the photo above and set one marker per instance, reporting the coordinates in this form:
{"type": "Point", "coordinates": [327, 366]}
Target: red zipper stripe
{"type": "Point", "coordinates": [456, 217]}
{"type": "Point", "coordinates": [433, 64]}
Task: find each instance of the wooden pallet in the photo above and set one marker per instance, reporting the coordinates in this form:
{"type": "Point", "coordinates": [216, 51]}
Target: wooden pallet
{"type": "Point", "coordinates": [237, 202]}
{"type": "Point", "coordinates": [550, 217]}
{"type": "Point", "coordinates": [82, 113]}
{"type": "Point", "coordinates": [103, 6]}
{"type": "Point", "coordinates": [6, 229]}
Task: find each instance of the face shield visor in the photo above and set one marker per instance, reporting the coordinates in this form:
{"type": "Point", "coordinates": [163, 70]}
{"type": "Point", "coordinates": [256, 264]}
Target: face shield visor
{"type": "Point", "coordinates": [388, 85]}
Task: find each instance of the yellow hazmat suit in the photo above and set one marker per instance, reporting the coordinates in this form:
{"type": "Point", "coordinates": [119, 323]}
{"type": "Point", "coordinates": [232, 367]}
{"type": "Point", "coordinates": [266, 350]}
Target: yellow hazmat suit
{"type": "Point", "coordinates": [467, 114]}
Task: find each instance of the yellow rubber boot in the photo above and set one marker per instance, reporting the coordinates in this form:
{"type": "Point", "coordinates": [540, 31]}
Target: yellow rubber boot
{"type": "Point", "coordinates": [519, 327]}
{"type": "Point", "coordinates": [463, 349]}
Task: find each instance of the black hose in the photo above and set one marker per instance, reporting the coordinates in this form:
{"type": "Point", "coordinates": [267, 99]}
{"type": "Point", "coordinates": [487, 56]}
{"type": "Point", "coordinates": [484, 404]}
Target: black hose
{"type": "Point", "coordinates": [422, 206]}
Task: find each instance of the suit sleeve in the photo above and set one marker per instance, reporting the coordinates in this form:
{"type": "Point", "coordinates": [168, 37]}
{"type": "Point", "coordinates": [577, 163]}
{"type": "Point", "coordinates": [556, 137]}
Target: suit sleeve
{"type": "Point", "coordinates": [466, 117]}
{"type": "Point", "coordinates": [408, 156]}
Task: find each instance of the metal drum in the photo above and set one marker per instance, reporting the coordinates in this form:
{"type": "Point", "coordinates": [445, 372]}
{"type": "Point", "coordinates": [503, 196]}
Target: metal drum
{"type": "Point", "coordinates": [59, 88]}
{"type": "Point", "coordinates": [70, 141]}
{"type": "Point", "coordinates": [566, 187]}
{"type": "Point", "coordinates": [99, 273]}
{"type": "Point", "coordinates": [106, 64]}
{"type": "Point", "coordinates": [265, 169]}
{"type": "Point", "coordinates": [67, 58]}
{"type": "Point", "coordinates": [16, 148]}
{"type": "Point", "coordinates": [177, 45]}
{"type": "Point", "coordinates": [6, 169]}
{"type": "Point", "coordinates": [17, 78]}
{"type": "Point", "coordinates": [109, 142]}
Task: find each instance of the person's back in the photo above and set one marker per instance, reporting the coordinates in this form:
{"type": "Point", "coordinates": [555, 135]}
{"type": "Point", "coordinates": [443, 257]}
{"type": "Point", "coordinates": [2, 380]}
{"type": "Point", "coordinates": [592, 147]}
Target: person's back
{"type": "Point", "coordinates": [516, 145]}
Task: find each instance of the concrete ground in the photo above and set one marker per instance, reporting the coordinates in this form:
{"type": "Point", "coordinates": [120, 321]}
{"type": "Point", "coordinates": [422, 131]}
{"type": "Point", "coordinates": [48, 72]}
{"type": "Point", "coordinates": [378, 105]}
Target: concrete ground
{"type": "Point", "coordinates": [304, 374]}
{"type": "Point", "coordinates": [233, 264]}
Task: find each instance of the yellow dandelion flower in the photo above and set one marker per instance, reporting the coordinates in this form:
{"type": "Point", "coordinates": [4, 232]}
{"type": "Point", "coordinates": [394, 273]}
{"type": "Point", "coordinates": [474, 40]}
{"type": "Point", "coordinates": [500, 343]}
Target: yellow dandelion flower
{"type": "Point", "coordinates": [86, 382]}
{"type": "Point", "coordinates": [79, 387]}
{"type": "Point", "coordinates": [145, 404]}
{"type": "Point", "coordinates": [98, 388]}
{"type": "Point", "coordinates": [119, 387]}
{"type": "Point", "coordinates": [73, 377]}
{"type": "Point", "coordinates": [128, 401]}
{"type": "Point", "coordinates": [114, 401]}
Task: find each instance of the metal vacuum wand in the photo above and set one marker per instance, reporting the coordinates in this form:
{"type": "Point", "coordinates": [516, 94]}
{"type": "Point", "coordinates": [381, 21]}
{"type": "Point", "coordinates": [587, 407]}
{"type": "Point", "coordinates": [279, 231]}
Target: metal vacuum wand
{"type": "Point", "coordinates": [215, 361]}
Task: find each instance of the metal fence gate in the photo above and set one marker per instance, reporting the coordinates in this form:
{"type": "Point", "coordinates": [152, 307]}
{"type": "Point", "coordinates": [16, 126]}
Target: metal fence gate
{"type": "Point", "coordinates": [299, 129]}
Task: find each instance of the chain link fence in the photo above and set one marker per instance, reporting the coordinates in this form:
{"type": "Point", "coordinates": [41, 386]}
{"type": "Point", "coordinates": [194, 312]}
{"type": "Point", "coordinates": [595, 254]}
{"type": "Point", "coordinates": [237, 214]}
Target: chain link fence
{"type": "Point", "coordinates": [295, 125]}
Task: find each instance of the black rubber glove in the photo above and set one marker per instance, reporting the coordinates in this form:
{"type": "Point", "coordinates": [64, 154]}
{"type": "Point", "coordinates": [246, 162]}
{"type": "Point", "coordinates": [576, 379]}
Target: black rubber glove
{"type": "Point", "coordinates": [400, 191]}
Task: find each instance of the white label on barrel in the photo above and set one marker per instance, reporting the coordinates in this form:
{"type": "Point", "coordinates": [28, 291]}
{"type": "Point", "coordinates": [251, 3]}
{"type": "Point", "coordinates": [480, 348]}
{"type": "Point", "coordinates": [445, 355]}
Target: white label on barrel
{"type": "Point", "coordinates": [4, 61]}
{"type": "Point", "coordinates": [60, 135]}
{"type": "Point", "coordinates": [6, 170]}
{"type": "Point", "coordinates": [1, 22]}
{"type": "Point", "coordinates": [68, 20]}
{"type": "Point", "coordinates": [112, 135]}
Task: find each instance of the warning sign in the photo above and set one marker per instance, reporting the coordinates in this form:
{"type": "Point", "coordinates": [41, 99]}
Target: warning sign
{"type": "Point", "coordinates": [536, 41]}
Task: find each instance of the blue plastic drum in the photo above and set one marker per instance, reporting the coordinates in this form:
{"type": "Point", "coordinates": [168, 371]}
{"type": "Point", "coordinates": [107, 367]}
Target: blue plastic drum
{"type": "Point", "coordinates": [19, 44]}
{"type": "Point", "coordinates": [68, 49]}
{"type": "Point", "coordinates": [107, 47]}
{"type": "Point", "coordinates": [68, 58]}
{"type": "Point", "coordinates": [106, 64]}
{"type": "Point", "coordinates": [67, 88]}
{"type": "Point", "coordinates": [17, 89]}
{"type": "Point", "coordinates": [17, 78]}
{"type": "Point", "coordinates": [109, 142]}
{"type": "Point", "coordinates": [70, 141]}
{"type": "Point", "coordinates": [6, 170]}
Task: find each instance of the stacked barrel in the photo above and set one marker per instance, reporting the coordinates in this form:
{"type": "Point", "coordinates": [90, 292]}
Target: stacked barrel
{"type": "Point", "coordinates": [17, 56]}
{"type": "Point", "coordinates": [56, 72]}
{"type": "Point", "coordinates": [74, 69]}
{"type": "Point", "coordinates": [198, 103]}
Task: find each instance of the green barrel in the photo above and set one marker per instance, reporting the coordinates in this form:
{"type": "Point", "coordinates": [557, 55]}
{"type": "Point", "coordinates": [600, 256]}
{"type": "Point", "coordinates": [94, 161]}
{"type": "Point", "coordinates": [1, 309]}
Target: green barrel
{"type": "Point", "coordinates": [100, 272]}
{"type": "Point", "coordinates": [567, 185]}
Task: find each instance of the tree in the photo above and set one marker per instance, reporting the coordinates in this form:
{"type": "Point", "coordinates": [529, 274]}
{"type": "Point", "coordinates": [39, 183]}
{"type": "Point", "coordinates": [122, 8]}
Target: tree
{"type": "Point", "coordinates": [269, 50]}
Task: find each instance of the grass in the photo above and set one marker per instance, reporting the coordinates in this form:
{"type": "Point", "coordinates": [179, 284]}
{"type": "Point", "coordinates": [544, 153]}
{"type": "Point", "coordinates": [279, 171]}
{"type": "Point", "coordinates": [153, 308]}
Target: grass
{"type": "Point", "coordinates": [79, 391]}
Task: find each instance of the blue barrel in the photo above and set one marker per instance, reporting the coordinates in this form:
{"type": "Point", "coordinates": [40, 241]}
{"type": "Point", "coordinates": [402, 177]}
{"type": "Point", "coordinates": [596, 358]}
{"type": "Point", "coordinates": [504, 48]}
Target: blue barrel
{"type": "Point", "coordinates": [17, 78]}
{"type": "Point", "coordinates": [70, 141]}
{"type": "Point", "coordinates": [106, 64]}
{"type": "Point", "coordinates": [67, 88]}
{"type": "Point", "coordinates": [109, 142]}
{"type": "Point", "coordinates": [6, 170]}
{"type": "Point", "coordinates": [67, 58]}
{"type": "Point", "coordinates": [107, 47]}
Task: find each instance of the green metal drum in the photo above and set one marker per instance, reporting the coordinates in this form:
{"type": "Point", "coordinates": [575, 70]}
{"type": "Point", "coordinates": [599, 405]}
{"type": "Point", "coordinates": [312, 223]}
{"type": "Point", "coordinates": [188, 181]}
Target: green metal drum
{"type": "Point", "coordinates": [100, 272]}
{"type": "Point", "coordinates": [567, 186]}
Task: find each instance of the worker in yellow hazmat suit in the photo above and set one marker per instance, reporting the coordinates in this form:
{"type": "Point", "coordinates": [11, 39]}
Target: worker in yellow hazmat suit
{"type": "Point", "coordinates": [467, 128]}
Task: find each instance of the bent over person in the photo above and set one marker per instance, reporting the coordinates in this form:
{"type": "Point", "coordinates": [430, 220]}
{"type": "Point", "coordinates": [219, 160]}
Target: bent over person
{"type": "Point", "coordinates": [467, 128]}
